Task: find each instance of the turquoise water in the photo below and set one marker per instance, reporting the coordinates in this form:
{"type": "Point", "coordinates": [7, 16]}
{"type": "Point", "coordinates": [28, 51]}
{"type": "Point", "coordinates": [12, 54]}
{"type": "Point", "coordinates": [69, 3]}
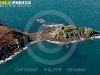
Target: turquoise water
{"type": "Point", "coordinates": [84, 13]}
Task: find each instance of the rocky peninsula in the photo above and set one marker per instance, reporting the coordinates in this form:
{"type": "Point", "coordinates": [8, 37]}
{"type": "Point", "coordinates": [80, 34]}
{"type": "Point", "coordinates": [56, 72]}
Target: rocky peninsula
{"type": "Point", "coordinates": [63, 34]}
{"type": "Point", "coordinates": [12, 41]}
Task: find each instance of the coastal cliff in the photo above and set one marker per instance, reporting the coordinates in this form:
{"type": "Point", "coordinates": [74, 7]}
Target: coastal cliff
{"type": "Point", "coordinates": [12, 40]}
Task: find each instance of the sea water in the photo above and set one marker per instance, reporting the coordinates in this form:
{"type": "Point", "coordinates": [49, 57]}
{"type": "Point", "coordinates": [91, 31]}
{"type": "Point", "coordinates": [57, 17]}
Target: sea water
{"type": "Point", "coordinates": [83, 13]}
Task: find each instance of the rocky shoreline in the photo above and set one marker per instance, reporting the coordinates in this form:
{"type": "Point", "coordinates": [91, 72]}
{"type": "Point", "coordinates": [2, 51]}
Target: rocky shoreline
{"type": "Point", "coordinates": [13, 41]}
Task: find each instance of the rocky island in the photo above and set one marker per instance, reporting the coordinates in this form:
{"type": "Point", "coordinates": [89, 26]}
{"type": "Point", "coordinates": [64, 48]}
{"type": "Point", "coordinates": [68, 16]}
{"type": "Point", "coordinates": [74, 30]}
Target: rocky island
{"type": "Point", "coordinates": [12, 41]}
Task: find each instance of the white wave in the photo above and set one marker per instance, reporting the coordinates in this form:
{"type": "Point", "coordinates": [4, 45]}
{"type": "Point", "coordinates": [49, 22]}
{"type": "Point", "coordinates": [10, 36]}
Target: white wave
{"type": "Point", "coordinates": [98, 37]}
{"type": "Point", "coordinates": [16, 53]}
{"type": "Point", "coordinates": [25, 48]}
{"type": "Point", "coordinates": [92, 37]}
{"type": "Point", "coordinates": [56, 42]}
{"type": "Point", "coordinates": [12, 56]}
{"type": "Point", "coordinates": [82, 39]}
{"type": "Point", "coordinates": [8, 58]}
{"type": "Point", "coordinates": [33, 42]}
{"type": "Point", "coordinates": [73, 41]}
{"type": "Point", "coordinates": [55, 25]}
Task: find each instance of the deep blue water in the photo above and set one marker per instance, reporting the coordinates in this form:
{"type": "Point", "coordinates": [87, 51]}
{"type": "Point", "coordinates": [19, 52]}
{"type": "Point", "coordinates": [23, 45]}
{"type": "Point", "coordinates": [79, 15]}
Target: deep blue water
{"type": "Point", "coordinates": [84, 13]}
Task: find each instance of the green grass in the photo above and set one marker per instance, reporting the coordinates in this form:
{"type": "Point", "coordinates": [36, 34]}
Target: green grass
{"type": "Point", "coordinates": [69, 27]}
{"type": "Point", "coordinates": [68, 30]}
{"type": "Point", "coordinates": [61, 33]}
